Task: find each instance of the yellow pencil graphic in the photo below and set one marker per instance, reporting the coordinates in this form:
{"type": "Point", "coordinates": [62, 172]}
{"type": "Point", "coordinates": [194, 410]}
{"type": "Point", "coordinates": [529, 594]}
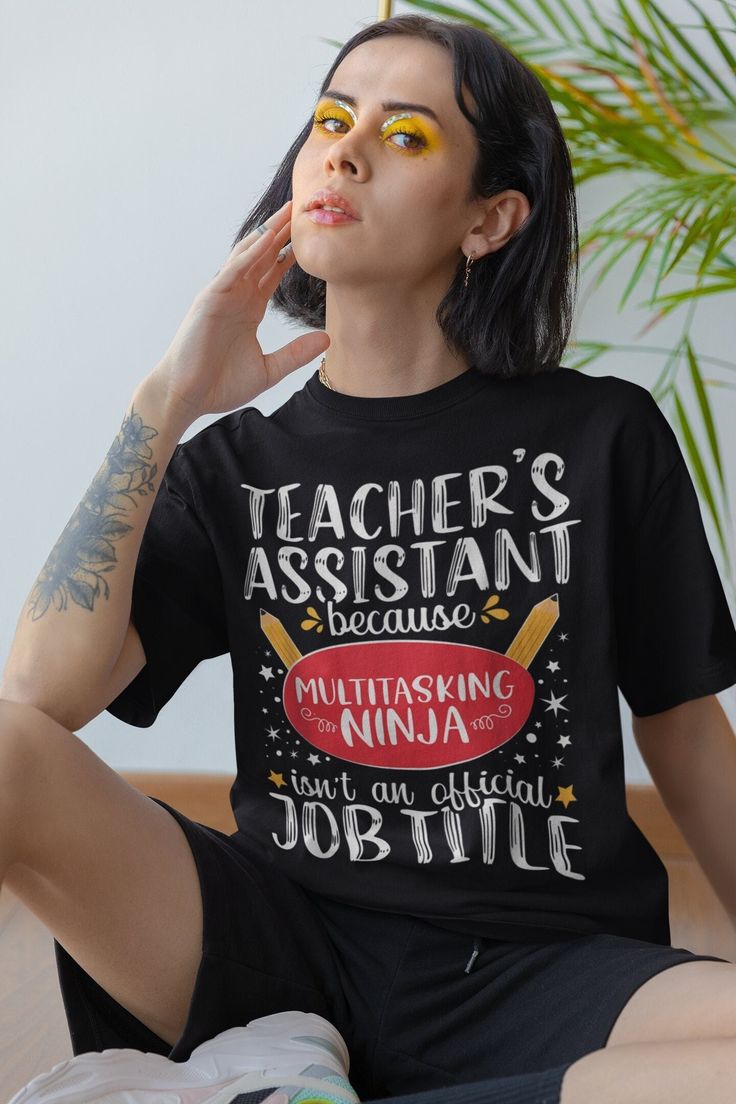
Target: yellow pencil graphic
{"type": "Point", "coordinates": [280, 639]}
{"type": "Point", "coordinates": [534, 631]}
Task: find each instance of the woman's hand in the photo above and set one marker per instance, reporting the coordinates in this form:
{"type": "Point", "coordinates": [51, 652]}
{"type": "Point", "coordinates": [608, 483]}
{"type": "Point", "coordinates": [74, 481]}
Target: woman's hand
{"type": "Point", "coordinates": [215, 362]}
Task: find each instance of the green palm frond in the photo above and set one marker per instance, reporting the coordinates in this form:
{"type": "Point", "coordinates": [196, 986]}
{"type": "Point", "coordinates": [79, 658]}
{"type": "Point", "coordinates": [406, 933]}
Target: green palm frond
{"type": "Point", "coordinates": [691, 217]}
{"type": "Point", "coordinates": [636, 93]}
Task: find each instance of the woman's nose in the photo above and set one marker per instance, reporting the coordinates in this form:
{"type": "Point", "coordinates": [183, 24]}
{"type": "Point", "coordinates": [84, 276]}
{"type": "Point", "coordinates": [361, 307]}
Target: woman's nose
{"type": "Point", "coordinates": [348, 149]}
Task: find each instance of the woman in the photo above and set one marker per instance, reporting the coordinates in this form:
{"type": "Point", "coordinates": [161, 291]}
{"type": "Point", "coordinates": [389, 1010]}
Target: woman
{"type": "Point", "coordinates": [432, 567]}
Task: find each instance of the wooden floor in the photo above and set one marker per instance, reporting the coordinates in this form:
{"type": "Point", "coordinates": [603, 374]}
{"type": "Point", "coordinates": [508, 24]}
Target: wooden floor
{"type": "Point", "coordinates": [33, 1032]}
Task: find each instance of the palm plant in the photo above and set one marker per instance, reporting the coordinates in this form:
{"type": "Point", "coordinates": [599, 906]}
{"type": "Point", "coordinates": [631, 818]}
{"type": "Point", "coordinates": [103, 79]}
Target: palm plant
{"type": "Point", "coordinates": [634, 94]}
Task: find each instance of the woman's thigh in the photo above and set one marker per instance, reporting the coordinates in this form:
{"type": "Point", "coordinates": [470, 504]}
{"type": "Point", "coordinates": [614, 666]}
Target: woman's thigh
{"type": "Point", "coordinates": [688, 1000]}
{"type": "Point", "coordinates": [264, 950]}
{"type": "Point", "coordinates": [106, 869]}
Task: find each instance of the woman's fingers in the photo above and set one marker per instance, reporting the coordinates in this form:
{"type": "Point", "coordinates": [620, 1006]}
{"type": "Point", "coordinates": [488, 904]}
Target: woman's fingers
{"type": "Point", "coordinates": [274, 222]}
{"type": "Point", "coordinates": [272, 277]}
{"type": "Point", "coordinates": [254, 254]}
{"type": "Point", "coordinates": [261, 265]}
{"type": "Point", "coordinates": [252, 262]}
{"type": "Point", "coordinates": [238, 265]}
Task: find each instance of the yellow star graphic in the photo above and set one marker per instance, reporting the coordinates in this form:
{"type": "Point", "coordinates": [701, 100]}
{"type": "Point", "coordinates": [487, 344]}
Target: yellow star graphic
{"type": "Point", "coordinates": [565, 795]}
{"type": "Point", "coordinates": [277, 778]}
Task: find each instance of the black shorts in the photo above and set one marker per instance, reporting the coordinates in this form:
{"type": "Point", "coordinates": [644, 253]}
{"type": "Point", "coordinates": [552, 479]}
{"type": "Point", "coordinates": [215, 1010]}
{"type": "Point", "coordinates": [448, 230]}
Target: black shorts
{"type": "Point", "coordinates": [395, 986]}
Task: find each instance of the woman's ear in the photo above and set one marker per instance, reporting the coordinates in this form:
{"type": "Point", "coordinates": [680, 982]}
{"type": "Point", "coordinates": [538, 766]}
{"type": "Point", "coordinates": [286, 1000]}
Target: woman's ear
{"type": "Point", "coordinates": [502, 215]}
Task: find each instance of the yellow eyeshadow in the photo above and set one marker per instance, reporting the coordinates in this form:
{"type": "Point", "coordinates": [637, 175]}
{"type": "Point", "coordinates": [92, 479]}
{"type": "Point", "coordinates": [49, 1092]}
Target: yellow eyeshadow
{"type": "Point", "coordinates": [394, 124]}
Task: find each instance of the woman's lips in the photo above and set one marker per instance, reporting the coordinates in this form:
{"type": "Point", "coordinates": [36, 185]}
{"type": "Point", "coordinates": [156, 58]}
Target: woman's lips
{"type": "Point", "coordinates": [329, 218]}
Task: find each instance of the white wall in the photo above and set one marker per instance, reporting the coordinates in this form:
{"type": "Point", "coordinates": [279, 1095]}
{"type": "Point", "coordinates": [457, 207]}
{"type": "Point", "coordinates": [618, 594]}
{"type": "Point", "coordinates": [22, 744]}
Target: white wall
{"type": "Point", "coordinates": [136, 137]}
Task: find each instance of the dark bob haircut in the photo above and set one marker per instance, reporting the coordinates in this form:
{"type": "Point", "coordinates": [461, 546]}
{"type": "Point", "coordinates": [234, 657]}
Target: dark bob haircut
{"type": "Point", "coordinates": [516, 314]}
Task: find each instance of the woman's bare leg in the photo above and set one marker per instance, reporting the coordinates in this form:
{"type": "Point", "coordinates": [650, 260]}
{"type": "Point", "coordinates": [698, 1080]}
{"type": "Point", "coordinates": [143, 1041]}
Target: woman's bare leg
{"type": "Point", "coordinates": [678, 1072]}
{"type": "Point", "coordinates": [107, 870]}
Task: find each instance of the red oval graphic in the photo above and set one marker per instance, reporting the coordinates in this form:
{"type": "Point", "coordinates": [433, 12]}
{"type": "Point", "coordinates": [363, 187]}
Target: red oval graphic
{"type": "Point", "coordinates": [407, 703]}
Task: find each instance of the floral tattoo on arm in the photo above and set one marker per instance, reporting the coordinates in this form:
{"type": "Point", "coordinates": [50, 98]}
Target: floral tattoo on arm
{"type": "Point", "coordinates": [85, 551]}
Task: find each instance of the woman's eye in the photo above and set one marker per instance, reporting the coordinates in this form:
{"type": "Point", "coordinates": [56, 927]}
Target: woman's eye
{"type": "Point", "coordinates": [322, 120]}
{"type": "Point", "coordinates": [410, 134]}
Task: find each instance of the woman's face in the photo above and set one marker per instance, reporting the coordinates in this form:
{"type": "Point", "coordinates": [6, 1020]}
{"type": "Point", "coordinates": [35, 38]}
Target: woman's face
{"type": "Point", "coordinates": [406, 177]}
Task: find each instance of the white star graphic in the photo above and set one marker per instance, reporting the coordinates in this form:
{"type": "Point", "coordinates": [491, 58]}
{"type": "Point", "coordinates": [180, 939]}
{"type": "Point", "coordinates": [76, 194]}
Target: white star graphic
{"type": "Point", "coordinates": [557, 762]}
{"type": "Point", "coordinates": [555, 703]}
{"type": "Point", "coordinates": [563, 741]}
{"type": "Point", "coordinates": [266, 672]}
{"type": "Point", "coordinates": [273, 733]}
{"type": "Point", "coordinates": [553, 665]}
{"type": "Point", "coordinates": [562, 636]}
{"type": "Point", "coordinates": [519, 758]}
{"type": "Point", "coordinates": [313, 759]}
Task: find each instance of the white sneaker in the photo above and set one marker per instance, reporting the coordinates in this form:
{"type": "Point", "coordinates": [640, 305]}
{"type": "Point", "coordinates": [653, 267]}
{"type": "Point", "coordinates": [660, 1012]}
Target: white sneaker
{"type": "Point", "coordinates": [299, 1054]}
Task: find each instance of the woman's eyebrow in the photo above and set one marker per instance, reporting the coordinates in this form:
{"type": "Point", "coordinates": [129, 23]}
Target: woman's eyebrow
{"type": "Point", "coordinates": [387, 105]}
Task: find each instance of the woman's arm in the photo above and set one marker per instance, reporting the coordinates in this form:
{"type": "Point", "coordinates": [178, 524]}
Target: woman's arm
{"type": "Point", "coordinates": [690, 752]}
{"type": "Point", "coordinates": [74, 623]}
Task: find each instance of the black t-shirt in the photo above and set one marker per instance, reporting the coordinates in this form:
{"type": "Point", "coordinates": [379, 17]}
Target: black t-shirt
{"type": "Point", "coordinates": [429, 602]}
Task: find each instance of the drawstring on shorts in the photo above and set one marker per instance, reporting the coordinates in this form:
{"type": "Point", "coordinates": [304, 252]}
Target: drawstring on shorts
{"type": "Point", "coordinates": [474, 955]}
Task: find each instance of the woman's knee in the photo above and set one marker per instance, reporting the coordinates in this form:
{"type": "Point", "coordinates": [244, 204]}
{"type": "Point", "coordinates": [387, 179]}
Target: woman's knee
{"type": "Point", "coordinates": [22, 729]}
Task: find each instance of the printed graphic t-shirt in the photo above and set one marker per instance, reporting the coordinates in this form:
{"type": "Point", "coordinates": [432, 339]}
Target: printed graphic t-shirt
{"type": "Point", "coordinates": [429, 602]}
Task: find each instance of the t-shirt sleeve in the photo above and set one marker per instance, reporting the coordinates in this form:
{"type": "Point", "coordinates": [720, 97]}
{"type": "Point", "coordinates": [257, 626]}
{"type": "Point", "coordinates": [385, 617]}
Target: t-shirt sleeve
{"type": "Point", "coordinates": [177, 600]}
{"type": "Point", "coordinates": [675, 634]}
